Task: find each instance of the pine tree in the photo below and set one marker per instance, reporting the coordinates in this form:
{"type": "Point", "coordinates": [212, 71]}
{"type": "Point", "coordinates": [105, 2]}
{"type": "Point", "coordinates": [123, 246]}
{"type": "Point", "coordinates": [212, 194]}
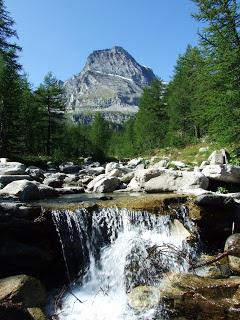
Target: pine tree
{"type": "Point", "coordinates": [151, 119]}
{"type": "Point", "coordinates": [49, 97]}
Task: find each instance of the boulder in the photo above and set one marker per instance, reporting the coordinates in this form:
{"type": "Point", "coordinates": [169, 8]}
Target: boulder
{"type": "Point", "coordinates": [6, 179]}
{"type": "Point", "coordinates": [134, 162]}
{"type": "Point", "coordinates": [111, 166]}
{"type": "Point", "coordinates": [46, 191]}
{"type": "Point", "coordinates": [69, 168]}
{"type": "Point", "coordinates": [214, 200]}
{"type": "Point", "coordinates": [218, 157]}
{"type": "Point", "coordinates": [25, 190]}
{"type": "Point", "coordinates": [22, 289]}
{"type": "Point", "coordinates": [223, 173]}
{"type": "Point", "coordinates": [116, 173]}
{"type": "Point", "coordinates": [169, 181]}
{"type": "Point", "coordinates": [234, 260]}
{"type": "Point", "coordinates": [127, 177]}
{"type": "Point", "coordinates": [160, 165]}
{"type": "Point", "coordinates": [36, 173]}
{"type": "Point", "coordinates": [105, 184]}
{"type": "Point", "coordinates": [216, 270]}
{"type": "Point", "coordinates": [142, 176]}
{"type": "Point", "coordinates": [12, 168]}
{"type": "Point", "coordinates": [134, 186]}
{"type": "Point", "coordinates": [190, 296]}
{"type": "Point", "coordinates": [53, 182]}
{"type": "Point", "coordinates": [178, 164]}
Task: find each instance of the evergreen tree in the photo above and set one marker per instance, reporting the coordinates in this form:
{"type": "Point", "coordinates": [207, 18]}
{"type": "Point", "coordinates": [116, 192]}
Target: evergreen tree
{"type": "Point", "coordinates": [49, 97]}
{"type": "Point", "coordinates": [151, 120]}
{"type": "Point", "coordinates": [100, 135]}
{"type": "Point", "coordinates": [220, 40]}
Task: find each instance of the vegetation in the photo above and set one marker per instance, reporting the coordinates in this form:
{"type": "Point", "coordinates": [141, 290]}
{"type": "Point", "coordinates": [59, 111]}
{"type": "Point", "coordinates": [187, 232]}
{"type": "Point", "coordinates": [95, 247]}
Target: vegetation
{"type": "Point", "coordinates": [201, 102]}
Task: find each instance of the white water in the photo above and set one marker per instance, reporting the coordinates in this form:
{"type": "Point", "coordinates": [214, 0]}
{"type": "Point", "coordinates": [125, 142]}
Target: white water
{"type": "Point", "coordinates": [103, 289]}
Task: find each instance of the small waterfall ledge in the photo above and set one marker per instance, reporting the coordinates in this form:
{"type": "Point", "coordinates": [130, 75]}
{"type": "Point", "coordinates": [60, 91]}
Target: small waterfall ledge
{"type": "Point", "coordinates": [113, 251]}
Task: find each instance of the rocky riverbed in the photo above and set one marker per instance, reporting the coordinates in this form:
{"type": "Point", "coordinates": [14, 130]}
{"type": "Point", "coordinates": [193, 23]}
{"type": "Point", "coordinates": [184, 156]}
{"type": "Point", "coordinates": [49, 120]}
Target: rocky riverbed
{"type": "Point", "coordinates": [31, 254]}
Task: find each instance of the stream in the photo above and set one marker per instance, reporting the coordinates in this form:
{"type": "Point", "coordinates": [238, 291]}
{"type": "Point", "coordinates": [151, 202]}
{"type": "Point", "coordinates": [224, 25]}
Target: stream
{"type": "Point", "coordinates": [116, 250]}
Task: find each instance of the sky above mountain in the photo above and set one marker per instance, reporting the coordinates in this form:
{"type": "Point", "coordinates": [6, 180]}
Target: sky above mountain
{"type": "Point", "coordinates": [58, 35]}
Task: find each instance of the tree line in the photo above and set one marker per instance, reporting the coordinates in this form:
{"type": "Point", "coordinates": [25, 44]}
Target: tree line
{"type": "Point", "coordinates": [202, 100]}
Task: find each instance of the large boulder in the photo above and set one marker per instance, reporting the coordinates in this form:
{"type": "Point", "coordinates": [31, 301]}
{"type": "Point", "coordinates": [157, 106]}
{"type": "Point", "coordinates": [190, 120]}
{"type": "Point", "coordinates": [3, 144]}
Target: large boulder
{"type": "Point", "coordinates": [6, 179]}
{"type": "Point", "coordinates": [169, 181]}
{"type": "Point", "coordinates": [191, 297]}
{"type": "Point", "coordinates": [23, 189]}
{"type": "Point", "coordinates": [12, 168]}
{"type": "Point", "coordinates": [36, 173]}
{"type": "Point", "coordinates": [103, 183]}
{"type": "Point", "coordinates": [69, 168]}
{"type": "Point", "coordinates": [233, 242]}
{"type": "Point", "coordinates": [223, 173]}
{"type": "Point", "coordinates": [218, 157]}
{"type": "Point", "coordinates": [22, 289]}
{"type": "Point", "coordinates": [111, 166]}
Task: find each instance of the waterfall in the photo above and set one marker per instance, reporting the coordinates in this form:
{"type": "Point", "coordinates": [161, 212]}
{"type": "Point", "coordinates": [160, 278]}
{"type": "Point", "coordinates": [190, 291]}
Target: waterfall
{"type": "Point", "coordinates": [117, 250]}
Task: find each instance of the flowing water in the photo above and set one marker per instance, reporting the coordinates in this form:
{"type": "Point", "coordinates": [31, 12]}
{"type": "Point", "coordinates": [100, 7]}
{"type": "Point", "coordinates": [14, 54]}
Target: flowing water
{"type": "Point", "coordinates": [116, 250]}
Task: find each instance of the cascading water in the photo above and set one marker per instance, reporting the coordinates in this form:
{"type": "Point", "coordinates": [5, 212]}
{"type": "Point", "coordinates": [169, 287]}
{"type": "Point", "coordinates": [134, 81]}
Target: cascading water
{"type": "Point", "coordinates": [118, 249]}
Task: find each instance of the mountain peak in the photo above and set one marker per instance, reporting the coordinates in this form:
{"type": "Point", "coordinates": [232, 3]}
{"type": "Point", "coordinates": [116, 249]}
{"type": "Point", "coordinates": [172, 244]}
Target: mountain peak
{"type": "Point", "coordinates": [111, 80]}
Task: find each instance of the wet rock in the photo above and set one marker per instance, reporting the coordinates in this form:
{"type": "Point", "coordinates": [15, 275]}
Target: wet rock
{"type": "Point", "coordinates": [216, 270]}
{"type": "Point", "coordinates": [70, 190]}
{"type": "Point", "coordinates": [22, 289]}
{"type": "Point", "coordinates": [168, 181]}
{"type": "Point", "coordinates": [53, 182]}
{"type": "Point", "coordinates": [191, 296]}
{"type": "Point", "coordinates": [214, 200]}
{"type": "Point", "coordinates": [222, 173]}
{"type": "Point", "coordinates": [12, 168]}
{"type": "Point", "coordinates": [234, 260]}
{"type": "Point", "coordinates": [36, 314]}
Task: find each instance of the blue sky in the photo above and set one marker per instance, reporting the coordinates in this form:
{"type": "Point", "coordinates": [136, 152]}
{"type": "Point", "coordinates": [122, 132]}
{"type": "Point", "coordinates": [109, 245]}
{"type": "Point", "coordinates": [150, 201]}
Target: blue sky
{"type": "Point", "coordinates": [58, 35]}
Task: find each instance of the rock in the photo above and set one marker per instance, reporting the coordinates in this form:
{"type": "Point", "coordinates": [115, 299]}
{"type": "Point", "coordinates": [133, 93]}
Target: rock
{"type": "Point", "coordinates": [69, 168]}
{"type": "Point", "coordinates": [218, 157]}
{"type": "Point", "coordinates": [223, 173]}
{"type": "Point", "coordinates": [134, 186]}
{"type": "Point", "coordinates": [168, 181]}
{"type": "Point", "coordinates": [6, 179]}
{"type": "Point", "coordinates": [203, 164]}
{"type": "Point", "coordinates": [46, 191]}
{"type": "Point", "coordinates": [127, 177]}
{"type": "Point", "coordinates": [36, 173]}
{"type": "Point", "coordinates": [187, 295]}
{"type": "Point", "coordinates": [116, 173]}
{"type": "Point", "coordinates": [111, 166]}
{"type": "Point", "coordinates": [178, 164]}
{"type": "Point", "coordinates": [214, 200]}
{"type": "Point", "coordinates": [203, 150]}
{"type": "Point", "coordinates": [12, 168]}
{"type": "Point", "coordinates": [105, 198]}
{"type": "Point", "coordinates": [25, 190]}
{"type": "Point", "coordinates": [142, 176]}
{"type": "Point", "coordinates": [70, 190]}
{"type": "Point", "coordinates": [4, 160]}
{"type": "Point", "coordinates": [160, 165]}
{"type": "Point", "coordinates": [144, 298]}
{"type": "Point", "coordinates": [36, 314]}
{"type": "Point", "coordinates": [134, 162]}
{"type": "Point", "coordinates": [53, 182]}
{"type": "Point", "coordinates": [234, 260]}
{"type": "Point", "coordinates": [22, 289]}
{"type": "Point", "coordinates": [104, 184]}
{"type": "Point", "coordinates": [216, 270]}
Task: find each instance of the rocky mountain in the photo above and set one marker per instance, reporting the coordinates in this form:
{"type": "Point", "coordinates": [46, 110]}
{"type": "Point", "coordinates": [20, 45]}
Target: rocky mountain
{"type": "Point", "coordinates": [111, 83]}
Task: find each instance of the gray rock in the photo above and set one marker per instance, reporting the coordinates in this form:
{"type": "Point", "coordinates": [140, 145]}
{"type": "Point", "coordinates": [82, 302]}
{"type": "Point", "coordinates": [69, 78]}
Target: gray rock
{"type": "Point", "coordinates": [168, 181]}
{"type": "Point", "coordinates": [69, 168]}
{"type": "Point", "coordinates": [218, 157]}
{"type": "Point", "coordinates": [35, 172]}
{"type": "Point", "coordinates": [223, 173]}
{"type": "Point", "coordinates": [25, 190]}
{"type": "Point", "coordinates": [22, 289]}
{"type": "Point", "coordinates": [53, 182]}
{"type": "Point", "coordinates": [234, 260]}
{"type": "Point", "coordinates": [126, 178]}
{"type": "Point", "coordinates": [104, 183]}
{"type": "Point", "coordinates": [116, 173]}
{"type": "Point", "coordinates": [214, 200]}
{"type": "Point", "coordinates": [12, 168]}
{"type": "Point", "coordinates": [111, 82]}
{"type": "Point", "coordinates": [6, 179]}
{"type": "Point", "coordinates": [134, 162]}
{"type": "Point", "coordinates": [46, 191]}
{"type": "Point", "coordinates": [111, 166]}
